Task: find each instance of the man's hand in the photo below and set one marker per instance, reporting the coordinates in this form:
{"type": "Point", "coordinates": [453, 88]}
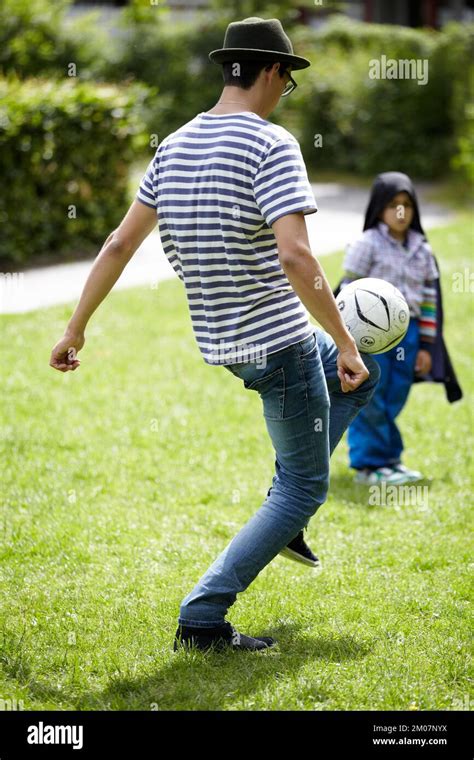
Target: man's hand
{"type": "Point", "coordinates": [423, 362]}
{"type": "Point", "coordinates": [116, 252]}
{"type": "Point", "coordinates": [351, 370]}
{"type": "Point", "coordinates": [64, 353]}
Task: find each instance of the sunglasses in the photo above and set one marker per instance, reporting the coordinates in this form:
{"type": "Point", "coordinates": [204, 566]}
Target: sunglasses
{"type": "Point", "coordinates": [290, 86]}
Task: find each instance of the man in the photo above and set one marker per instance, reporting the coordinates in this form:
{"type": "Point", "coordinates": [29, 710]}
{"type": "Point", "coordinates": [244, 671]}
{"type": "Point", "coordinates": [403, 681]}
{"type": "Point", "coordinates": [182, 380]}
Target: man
{"type": "Point", "coordinates": [230, 191]}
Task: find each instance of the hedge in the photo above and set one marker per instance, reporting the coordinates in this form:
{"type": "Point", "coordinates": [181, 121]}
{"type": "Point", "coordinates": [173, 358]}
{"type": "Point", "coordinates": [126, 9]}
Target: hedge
{"type": "Point", "coordinates": [172, 58]}
{"type": "Point", "coordinates": [65, 149]}
{"type": "Point", "coordinates": [69, 142]}
{"type": "Point", "coordinates": [371, 125]}
{"type": "Point", "coordinates": [31, 37]}
{"type": "Point", "coordinates": [367, 125]}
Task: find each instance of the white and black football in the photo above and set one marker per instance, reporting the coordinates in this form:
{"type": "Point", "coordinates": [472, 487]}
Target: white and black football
{"type": "Point", "coordinates": [375, 313]}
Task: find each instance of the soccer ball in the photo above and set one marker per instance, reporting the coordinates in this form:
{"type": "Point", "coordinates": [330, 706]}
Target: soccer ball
{"type": "Point", "coordinates": [375, 313]}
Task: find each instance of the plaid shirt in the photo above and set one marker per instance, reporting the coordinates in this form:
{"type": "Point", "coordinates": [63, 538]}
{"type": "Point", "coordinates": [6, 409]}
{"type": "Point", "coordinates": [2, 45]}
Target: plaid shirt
{"type": "Point", "coordinates": [410, 268]}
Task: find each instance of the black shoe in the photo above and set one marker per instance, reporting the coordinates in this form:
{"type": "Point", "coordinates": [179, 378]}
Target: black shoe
{"type": "Point", "coordinates": [220, 638]}
{"type": "Point", "coordinates": [299, 551]}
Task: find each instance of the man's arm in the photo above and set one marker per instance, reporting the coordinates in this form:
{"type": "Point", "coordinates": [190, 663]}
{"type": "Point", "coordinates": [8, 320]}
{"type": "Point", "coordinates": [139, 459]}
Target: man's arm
{"type": "Point", "coordinates": [115, 254]}
{"type": "Point", "coordinates": [309, 282]}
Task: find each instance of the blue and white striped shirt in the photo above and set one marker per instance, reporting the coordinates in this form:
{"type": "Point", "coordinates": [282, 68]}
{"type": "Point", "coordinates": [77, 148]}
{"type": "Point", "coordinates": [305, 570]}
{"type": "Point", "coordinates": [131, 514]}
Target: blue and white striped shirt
{"type": "Point", "coordinates": [218, 184]}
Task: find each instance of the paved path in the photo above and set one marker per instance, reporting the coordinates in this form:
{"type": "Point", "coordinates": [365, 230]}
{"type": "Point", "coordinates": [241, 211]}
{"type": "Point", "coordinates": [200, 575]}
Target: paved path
{"type": "Point", "coordinates": [338, 221]}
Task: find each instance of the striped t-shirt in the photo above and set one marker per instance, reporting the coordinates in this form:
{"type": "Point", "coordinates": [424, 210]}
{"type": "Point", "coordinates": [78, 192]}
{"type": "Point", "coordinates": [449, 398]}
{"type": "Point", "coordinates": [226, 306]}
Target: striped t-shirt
{"type": "Point", "coordinates": [218, 184]}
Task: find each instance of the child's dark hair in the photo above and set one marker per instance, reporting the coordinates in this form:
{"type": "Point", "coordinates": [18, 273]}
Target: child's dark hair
{"type": "Point", "coordinates": [385, 187]}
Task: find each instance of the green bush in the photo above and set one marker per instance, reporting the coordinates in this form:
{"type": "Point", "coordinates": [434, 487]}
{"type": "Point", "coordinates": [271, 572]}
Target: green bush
{"type": "Point", "coordinates": [65, 149]}
{"type": "Point", "coordinates": [172, 58]}
{"type": "Point", "coordinates": [367, 125]}
{"type": "Point", "coordinates": [371, 125]}
{"type": "Point", "coordinates": [37, 39]}
{"type": "Point", "coordinates": [69, 142]}
{"type": "Point", "coordinates": [457, 55]}
{"type": "Point", "coordinates": [31, 38]}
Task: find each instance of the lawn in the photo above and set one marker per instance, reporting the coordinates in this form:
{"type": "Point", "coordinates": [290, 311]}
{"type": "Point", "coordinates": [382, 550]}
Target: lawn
{"type": "Point", "coordinates": [123, 480]}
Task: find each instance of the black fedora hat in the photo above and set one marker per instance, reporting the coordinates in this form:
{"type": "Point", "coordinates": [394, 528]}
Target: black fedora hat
{"type": "Point", "coordinates": [258, 39]}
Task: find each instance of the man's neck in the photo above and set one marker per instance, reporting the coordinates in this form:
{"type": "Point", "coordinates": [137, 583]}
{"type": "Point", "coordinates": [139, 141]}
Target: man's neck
{"type": "Point", "coordinates": [235, 100]}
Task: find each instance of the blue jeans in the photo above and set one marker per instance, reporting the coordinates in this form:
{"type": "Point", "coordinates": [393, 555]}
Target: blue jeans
{"type": "Point", "coordinates": [306, 414]}
{"type": "Point", "coordinates": [374, 438]}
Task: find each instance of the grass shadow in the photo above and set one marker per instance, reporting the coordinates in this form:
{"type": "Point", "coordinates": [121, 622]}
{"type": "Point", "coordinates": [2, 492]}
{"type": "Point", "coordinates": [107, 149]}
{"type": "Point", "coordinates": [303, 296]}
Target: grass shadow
{"type": "Point", "coordinates": [212, 681]}
{"type": "Point", "coordinates": [342, 487]}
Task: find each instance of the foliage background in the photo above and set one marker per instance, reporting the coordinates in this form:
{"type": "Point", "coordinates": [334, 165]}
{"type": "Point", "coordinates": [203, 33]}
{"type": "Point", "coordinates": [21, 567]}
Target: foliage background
{"type": "Point", "coordinates": [139, 79]}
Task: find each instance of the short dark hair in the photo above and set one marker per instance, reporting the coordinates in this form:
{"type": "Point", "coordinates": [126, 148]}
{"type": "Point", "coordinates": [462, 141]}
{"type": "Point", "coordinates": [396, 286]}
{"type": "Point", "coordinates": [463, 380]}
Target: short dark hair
{"type": "Point", "coordinates": [249, 72]}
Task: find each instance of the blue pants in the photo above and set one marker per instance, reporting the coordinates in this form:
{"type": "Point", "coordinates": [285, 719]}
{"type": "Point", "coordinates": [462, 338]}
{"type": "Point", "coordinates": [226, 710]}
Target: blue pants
{"type": "Point", "coordinates": [306, 414]}
{"type": "Point", "coordinates": [373, 437]}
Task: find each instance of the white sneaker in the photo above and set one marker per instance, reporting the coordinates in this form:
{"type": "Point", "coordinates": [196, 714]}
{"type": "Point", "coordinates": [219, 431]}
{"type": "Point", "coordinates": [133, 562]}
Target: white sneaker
{"type": "Point", "coordinates": [380, 475]}
{"type": "Point", "coordinates": [410, 475]}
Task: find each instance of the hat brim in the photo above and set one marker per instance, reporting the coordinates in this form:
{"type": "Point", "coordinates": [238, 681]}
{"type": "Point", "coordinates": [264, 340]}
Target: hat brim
{"type": "Point", "coordinates": [246, 54]}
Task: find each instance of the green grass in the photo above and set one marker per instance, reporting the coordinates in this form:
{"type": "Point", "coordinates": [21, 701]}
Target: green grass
{"type": "Point", "coordinates": [453, 192]}
{"type": "Point", "coordinates": [123, 480]}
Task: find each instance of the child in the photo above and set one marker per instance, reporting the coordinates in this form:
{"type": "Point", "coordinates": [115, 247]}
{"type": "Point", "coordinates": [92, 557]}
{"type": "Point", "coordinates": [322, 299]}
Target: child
{"type": "Point", "coordinates": [394, 247]}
